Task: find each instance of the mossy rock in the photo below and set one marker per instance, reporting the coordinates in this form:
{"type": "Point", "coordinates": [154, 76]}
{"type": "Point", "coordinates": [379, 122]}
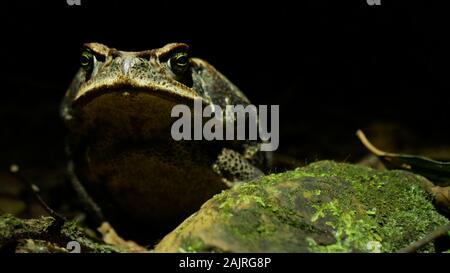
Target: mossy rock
{"type": "Point", "coordinates": [46, 235]}
{"type": "Point", "coordinates": [323, 207]}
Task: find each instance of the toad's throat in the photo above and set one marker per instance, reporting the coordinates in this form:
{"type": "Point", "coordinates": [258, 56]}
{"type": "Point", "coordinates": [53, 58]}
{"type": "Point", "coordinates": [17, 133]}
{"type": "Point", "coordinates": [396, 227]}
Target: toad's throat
{"type": "Point", "coordinates": [125, 115]}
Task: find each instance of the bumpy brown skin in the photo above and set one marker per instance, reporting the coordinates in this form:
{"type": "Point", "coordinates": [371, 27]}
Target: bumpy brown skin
{"type": "Point", "coordinates": [125, 162]}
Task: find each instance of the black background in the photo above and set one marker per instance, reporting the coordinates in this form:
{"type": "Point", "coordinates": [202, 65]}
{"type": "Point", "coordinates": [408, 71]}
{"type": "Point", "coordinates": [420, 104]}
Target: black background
{"type": "Point", "coordinates": [332, 66]}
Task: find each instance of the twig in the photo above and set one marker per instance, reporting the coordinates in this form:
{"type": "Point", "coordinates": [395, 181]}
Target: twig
{"type": "Point", "coordinates": [369, 145]}
{"type": "Point", "coordinates": [440, 232]}
{"type": "Point", "coordinates": [14, 170]}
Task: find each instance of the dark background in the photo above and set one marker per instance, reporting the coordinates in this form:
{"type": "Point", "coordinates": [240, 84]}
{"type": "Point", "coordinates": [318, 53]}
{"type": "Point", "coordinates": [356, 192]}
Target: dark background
{"type": "Point", "coordinates": [332, 66]}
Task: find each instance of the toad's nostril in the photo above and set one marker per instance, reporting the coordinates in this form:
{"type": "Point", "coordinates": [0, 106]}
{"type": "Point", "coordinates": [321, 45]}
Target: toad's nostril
{"type": "Point", "coordinates": [127, 64]}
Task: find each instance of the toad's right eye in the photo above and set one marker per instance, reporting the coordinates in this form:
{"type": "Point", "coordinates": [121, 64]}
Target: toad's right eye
{"type": "Point", "coordinates": [87, 59]}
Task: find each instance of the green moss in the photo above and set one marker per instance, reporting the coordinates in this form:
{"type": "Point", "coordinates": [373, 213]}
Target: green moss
{"type": "Point", "coordinates": [195, 244]}
{"type": "Point", "coordinates": [394, 200]}
{"type": "Point", "coordinates": [13, 229]}
{"type": "Point", "coordinates": [8, 220]}
{"type": "Point", "coordinates": [192, 245]}
{"type": "Point", "coordinates": [323, 207]}
{"type": "Point", "coordinates": [8, 224]}
{"type": "Point", "coordinates": [72, 230]}
{"type": "Point", "coordinates": [350, 233]}
{"type": "Point", "coordinates": [258, 216]}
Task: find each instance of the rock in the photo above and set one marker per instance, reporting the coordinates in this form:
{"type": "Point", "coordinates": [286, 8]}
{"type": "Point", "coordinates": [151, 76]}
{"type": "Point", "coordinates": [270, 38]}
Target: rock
{"type": "Point", "coordinates": [323, 207]}
{"type": "Point", "coordinates": [46, 235]}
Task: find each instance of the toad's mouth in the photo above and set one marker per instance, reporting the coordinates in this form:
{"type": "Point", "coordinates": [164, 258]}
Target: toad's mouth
{"type": "Point", "coordinates": [84, 97]}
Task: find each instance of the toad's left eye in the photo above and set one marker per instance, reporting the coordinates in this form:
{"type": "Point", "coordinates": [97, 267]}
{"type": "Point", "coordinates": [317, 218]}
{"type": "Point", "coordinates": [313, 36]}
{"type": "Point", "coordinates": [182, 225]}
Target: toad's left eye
{"type": "Point", "coordinates": [179, 63]}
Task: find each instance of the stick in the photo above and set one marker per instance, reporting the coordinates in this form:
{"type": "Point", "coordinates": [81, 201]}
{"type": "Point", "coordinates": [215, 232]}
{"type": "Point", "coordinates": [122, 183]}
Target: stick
{"type": "Point", "coordinates": [14, 170]}
{"type": "Point", "coordinates": [369, 145]}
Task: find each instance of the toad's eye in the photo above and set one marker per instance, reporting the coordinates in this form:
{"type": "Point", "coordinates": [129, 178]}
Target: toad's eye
{"type": "Point", "coordinates": [87, 59]}
{"type": "Point", "coordinates": [179, 63]}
